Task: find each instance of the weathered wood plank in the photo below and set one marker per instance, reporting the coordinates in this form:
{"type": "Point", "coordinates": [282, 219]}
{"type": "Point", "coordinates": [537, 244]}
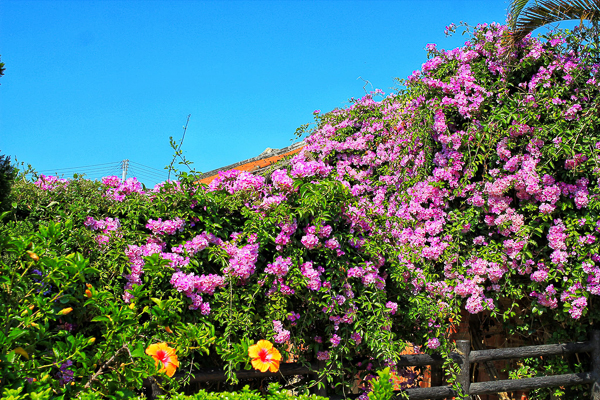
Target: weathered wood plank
{"type": "Point", "coordinates": [530, 351]}
{"type": "Point", "coordinates": [438, 392]}
{"type": "Point", "coordinates": [464, 375]}
{"type": "Point", "coordinates": [478, 344]}
{"type": "Point", "coordinates": [531, 383]}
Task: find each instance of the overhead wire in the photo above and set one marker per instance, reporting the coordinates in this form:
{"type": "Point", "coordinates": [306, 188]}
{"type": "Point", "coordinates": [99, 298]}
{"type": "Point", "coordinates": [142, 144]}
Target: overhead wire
{"type": "Point", "coordinates": [87, 172]}
{"type": "Point", "coordinates": [98, 171]}
{"type": "Point", "coordinates": [145, 173]}
{"type": "Point", "coordinates": [141, 174]}
{"type": "Point", "coordinates": [145, 166]}
{"type": "Point", "coordinates": [149, 173]}
{"type": "Point", "coordinates": [101, 174]}
{"type": "Point", "coordinates": [117, 163]}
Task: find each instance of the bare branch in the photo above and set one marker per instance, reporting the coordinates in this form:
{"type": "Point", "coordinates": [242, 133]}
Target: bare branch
{"type": "Point", "coordinates": [178, 149]}
{"type": "Point", "coordinates": [105, 365]}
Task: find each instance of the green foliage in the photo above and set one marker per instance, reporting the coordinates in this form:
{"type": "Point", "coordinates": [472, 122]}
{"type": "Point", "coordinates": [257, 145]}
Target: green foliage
{"type": "Point", "coordinates": [7, 176]}
{"type": "Point", "coordinates": [56, 309]}
{"type": "Point", "coordinates": [78, 307]}
{"type": "Point", "coordinates": [274, 392]}
{"type": "Point", "coordinates": [383, 388]}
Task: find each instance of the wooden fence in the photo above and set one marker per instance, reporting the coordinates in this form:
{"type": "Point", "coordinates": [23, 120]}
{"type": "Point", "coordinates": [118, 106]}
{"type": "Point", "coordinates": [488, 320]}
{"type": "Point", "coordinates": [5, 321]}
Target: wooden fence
{"type": "Point", "coordinates": [464, 357]}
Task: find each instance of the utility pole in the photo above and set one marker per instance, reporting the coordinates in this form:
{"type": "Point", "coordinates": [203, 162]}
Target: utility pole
{"type": "Point", "coordinates": [124, 165]}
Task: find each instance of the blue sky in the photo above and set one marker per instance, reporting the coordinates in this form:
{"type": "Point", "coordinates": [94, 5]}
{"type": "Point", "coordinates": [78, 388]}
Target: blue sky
{"type": "Point", "coordinates": [97, 82]}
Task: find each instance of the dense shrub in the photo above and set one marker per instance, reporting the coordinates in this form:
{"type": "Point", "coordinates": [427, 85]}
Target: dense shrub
{"type": "Point", "coordinates": [273, 393]}
{"type": "Point", "coordinates": [7, 176]}
{"type": "Point", "coordinates": [475, 188]}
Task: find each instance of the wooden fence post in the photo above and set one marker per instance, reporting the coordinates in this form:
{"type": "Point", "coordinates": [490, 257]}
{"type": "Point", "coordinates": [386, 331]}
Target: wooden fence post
{"type": "Point", "coordinates": [464, 376]}
{"type": "Point", "coordinates": [153, 389]}
{"type": "Point", "coordinates": [596, 364]}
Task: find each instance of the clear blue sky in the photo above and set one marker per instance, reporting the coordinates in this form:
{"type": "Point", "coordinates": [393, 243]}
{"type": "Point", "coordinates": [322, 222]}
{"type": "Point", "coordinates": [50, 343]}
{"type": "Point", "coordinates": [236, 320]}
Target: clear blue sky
{"type": "Point", "coordinates": [97, 82]}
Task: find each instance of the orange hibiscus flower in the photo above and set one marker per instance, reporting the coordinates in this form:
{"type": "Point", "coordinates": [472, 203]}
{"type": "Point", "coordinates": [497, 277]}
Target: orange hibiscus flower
{"type": "Point", "coordinates": [264, 356]}
{"type": "Point", "coordinates": [164, 355]}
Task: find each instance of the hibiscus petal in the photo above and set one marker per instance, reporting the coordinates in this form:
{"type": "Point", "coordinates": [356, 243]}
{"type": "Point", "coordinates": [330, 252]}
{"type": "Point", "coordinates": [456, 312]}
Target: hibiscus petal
{"type": "Point", "coordinates": [274, 366]}
{"type": "Point", "coordinates": [274, 354]}
{"type": "Point", "coordinates": [253, 351]}
{"type": "Point", "coordinates": [258, 364]}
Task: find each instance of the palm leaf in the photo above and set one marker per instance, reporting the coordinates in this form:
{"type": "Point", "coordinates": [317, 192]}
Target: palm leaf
{"type": "Point", "coordinates": [514, 11]}
{"type": "Point", "coordinates": [544, 12]}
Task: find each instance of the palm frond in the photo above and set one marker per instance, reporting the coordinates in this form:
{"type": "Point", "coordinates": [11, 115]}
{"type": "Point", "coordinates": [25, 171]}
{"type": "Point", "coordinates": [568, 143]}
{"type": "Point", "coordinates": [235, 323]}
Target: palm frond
{"type": "Point", "coordinates": [514, 10]}
{"type": "Point", "coordinates": [544, 12]}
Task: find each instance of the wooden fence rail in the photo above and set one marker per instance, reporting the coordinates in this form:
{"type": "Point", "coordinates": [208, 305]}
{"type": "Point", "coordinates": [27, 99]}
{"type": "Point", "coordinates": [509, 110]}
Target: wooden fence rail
{"type": "Point", "coordinates": [464, 358]}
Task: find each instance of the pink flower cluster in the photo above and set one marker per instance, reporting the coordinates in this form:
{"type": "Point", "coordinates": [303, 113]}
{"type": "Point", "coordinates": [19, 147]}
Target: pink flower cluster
{"type": "Point", "coordinates": [284, 237]}
{"type": "Point", "coordinates": [280, 267]}
{"type": "Point", "coordinates": [282, 181]}
{"type": "Point", "coordinates": [167, 227]}
{"type": "Point", "coordinates": [109, 227]}
{"type": "Point", "coordinates": [135, 255]}
{"type": "Point", "coordinates": [197, 244]}
{"type": "Point", "coordinates": [50, 182]}
{"type": "Point", "coordinates": [234, 181]}
{"type": "Point", "coordinates": [556, 240]}
{"type": "Point", "coordinates": [575, 299]}
{"type": "Point", "coordinates": [281, 335]}
{"type": "Point", "coordinates": [118, 190]}
{"type": "Point", "coordinates": [191, 285]}
{"type": "Point", "coordinates": [392, 307]}
{"type": "Point", "coordinates": [546, 298]}
{"type": "Point", "coordinates": [313, 281]}
{"type": "Point", "coordinates": [242, 261]}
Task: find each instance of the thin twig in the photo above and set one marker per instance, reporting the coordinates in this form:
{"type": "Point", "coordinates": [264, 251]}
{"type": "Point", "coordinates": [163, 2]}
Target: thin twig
{"type": "Point", "coordinates": [179, 147]}
{"type": "Point", "coordinates": [106, 364]}
{"type": "Point", "coordinates": [366, 83]}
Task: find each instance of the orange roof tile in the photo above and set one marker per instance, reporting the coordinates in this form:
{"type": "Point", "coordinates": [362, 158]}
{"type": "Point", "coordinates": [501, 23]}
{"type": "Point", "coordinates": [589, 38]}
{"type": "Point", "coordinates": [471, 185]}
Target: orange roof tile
{"type": "Point", "coordinates": [253, 164]}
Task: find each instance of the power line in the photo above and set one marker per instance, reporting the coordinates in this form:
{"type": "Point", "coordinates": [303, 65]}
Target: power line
{"type": "Point", "coordinates": [147, 177]}
{"type": "Point", "coordinates": [102, 174]}
{"type": "Point", "coordinates": [139, 174]}
{"type": "Point", "coordinates": [90, 172]}
{"type": "Point", "coordinates": [85, 166]}
{"type": "Point", "coordinates": [153, 174]}
{"type": "Point", "coordinates": [147, 173]}
{"type": "Point", "coordinates": [138, 168]}
{"type": "Point", "coordinates": [120, 169]}
{"type": "Point", "coordinates": [145, 166]}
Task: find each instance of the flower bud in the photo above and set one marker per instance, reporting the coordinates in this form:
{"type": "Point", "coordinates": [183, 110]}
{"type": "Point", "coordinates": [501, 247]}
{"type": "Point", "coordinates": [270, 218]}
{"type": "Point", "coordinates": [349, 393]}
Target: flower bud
{"type": "Point", "coordinates": [65, 311]}
{"type": "Point", "coordinates": [33, 256]}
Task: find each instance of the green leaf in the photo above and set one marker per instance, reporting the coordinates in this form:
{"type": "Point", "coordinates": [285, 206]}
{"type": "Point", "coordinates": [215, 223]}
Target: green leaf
{"type": "Point", "coordinates": [100, 318]}
{"type": "Point", "coordinates": [139, 351]}
{"type": "Point", "coordinates": [16, 333]}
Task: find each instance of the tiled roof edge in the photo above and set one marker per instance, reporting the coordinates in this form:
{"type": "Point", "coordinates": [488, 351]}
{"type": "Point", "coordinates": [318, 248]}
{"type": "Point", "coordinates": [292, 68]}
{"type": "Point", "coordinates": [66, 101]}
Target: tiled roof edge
{"type": "Point", "coordinates": [275, 152]}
